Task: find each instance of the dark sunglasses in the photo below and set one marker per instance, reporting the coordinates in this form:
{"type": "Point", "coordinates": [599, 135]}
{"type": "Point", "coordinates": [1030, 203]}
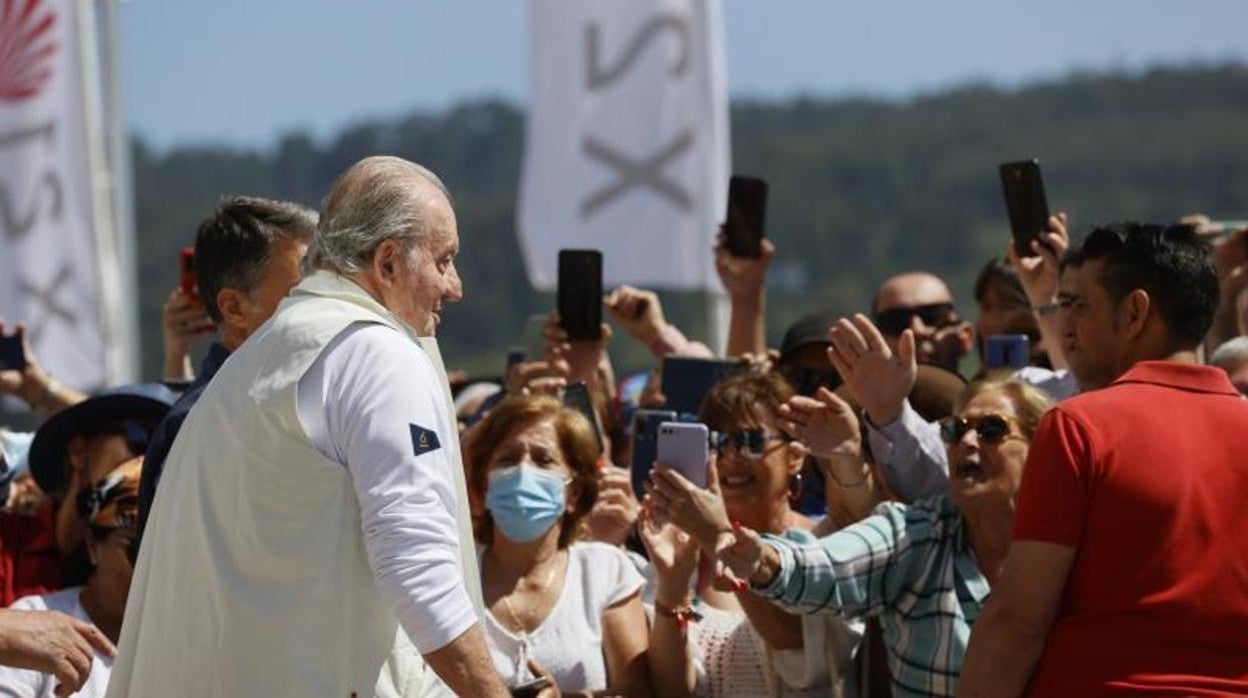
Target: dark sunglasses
{"type": "Point", "coordinates": [805, 381]}
{"type": "Point", "coordinates": [749, 443]}
{"type": "Point", "coordinates": [992, 428]}
{"type": "Point", "coordinates": [896, 320]}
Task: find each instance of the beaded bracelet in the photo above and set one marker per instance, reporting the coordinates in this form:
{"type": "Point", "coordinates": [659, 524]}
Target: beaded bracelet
{"type": "Point", "coordinates": [683, 614]}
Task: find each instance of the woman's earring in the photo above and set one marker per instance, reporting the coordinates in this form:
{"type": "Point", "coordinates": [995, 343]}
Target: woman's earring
{"type": "Point", "coordinates": [795, 487]}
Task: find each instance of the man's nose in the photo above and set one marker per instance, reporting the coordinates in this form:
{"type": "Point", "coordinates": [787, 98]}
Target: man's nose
{"type": "Point", "coordinates": [455, 291]}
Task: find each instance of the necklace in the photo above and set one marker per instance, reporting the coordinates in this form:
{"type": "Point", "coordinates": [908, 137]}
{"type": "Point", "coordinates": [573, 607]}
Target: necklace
{"type": "Point", "coordinates": [521, 626]}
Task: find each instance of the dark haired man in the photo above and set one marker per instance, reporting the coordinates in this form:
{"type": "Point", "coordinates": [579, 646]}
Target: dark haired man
{"type": "Point", "coordinates": [247, 256]}
{"type": "Point", "coordinates": [1127, 570]}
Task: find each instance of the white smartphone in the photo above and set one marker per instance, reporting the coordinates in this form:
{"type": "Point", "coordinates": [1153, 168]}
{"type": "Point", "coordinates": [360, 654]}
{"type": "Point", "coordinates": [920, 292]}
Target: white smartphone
{"type": "Point", "coordinates": [685, 446]}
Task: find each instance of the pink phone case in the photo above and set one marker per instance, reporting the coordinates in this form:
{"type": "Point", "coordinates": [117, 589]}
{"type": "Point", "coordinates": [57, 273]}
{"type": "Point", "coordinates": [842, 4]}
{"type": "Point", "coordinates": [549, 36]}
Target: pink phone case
{"type": "Point", "coordinates": [685, 447]}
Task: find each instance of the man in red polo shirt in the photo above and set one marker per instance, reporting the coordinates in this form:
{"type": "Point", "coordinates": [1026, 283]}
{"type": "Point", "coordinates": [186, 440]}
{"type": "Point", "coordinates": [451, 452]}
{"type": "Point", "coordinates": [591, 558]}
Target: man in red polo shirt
{"type": "Point", "coordinates": [1129, 568]}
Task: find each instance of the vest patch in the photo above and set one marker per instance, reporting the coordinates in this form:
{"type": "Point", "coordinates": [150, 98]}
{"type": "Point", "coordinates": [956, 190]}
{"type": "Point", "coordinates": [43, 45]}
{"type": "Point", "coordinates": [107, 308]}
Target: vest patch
{"type": "Point", "coordinates": [424, 440]}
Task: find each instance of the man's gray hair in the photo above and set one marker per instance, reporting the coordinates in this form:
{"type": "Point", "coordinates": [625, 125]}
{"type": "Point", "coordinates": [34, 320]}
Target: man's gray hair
{"type": "Point", "coordinates": [377, 199]}
{"type": "Point", "coordinates": [1229, 353]}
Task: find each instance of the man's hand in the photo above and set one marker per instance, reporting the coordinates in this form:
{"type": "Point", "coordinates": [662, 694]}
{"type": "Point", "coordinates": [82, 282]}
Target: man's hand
{"type": "Point", "coordinates": [637, 311]}
{"type": "Point", "coordinates": [534, 378]}
{"type": "Point", "coordinates": [183, 320]}
{"type": "Point", "coordinates": [52, 643]}
{"type": "Point", "coordinates": [742, 277]}
{"type": "Point", "coordinates": [879, 380]}
{"type": "Point", "coordinates": [1038, 274]}
{"type": "Point", "coordinates": [617, 508]}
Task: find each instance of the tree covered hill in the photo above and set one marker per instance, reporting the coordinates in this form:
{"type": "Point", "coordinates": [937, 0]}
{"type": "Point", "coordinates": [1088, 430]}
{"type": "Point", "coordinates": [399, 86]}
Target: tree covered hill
{"type": "Point", "coordinates": [860, 188]}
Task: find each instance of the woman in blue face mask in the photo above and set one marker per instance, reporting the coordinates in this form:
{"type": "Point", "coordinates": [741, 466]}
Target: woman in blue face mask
{"type": "Point", "coordinates": [555, 605]}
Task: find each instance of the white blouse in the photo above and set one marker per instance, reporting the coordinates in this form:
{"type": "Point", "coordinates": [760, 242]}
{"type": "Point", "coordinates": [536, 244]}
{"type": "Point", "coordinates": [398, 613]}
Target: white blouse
{"type": "Point", "coordinates": [568, 641]}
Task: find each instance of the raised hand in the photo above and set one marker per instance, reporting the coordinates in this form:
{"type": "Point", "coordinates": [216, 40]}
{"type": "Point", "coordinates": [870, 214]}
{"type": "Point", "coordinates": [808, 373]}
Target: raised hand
{"type": "Point", "coordinates": [183, 320]}
{"type": "Point", "coordinates": [698, 512]}
{"type": "Point", "coordinates": [742, 277]}
{"type": "Point", "coordinates": [576, 361]}
{"type": "Point", "coordinates": [1038, 274]}
{"type": "Point", "coordinates": [637, 312]}
{"type": "Point", "coordinates": [673, 555]}
{"type": "Point", "coordinates": [825, 424]}
{"type": "Point", "coordinates": [878, 379]}
{"type": "Point", "coordinates": [616, 511]}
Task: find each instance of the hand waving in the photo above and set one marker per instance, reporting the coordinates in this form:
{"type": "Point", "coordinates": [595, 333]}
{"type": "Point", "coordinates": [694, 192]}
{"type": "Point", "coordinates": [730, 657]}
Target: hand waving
{"type": "Point", "coordinates": [878, 379]}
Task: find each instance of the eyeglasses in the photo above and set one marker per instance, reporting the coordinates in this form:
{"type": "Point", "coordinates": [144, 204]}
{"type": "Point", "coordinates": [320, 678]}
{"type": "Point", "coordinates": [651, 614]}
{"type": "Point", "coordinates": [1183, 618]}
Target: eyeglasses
{"type": "Point", "coordinates": [992, 428]}
{"type": "Point", "coordinates": [896, 320]}
{"type": "Point", "coordinates": [748, 443]}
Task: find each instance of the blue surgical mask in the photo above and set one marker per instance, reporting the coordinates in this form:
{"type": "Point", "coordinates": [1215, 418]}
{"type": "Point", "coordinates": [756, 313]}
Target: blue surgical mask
{"type": "Point", "coordinates": [525, 501]}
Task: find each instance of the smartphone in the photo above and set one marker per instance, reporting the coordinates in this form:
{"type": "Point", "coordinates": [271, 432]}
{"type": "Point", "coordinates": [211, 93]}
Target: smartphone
{"type": "Point", "coordinates": [685, 446]}
{"type": "Point", "coordinates": [532, 689]}
{"type": "Point", "coordinates": [1025, 203]}
{"type": "Point", "coordinates": [687, 380]}
{"type": "Point", "coordinates": [646, 445]}
{"type": "Point", "coordinates": [576, 396]}
{"type": "Point", "coordinates": [12, 353]}
{"type": "Point", "coordinates": [747, 210]}
{"type": "Point", "coordinates": [1007, 351]}
{"type": "Point", "coordinates": [187, 266]}
{"type": "Point", "coordinates": [579, 298]}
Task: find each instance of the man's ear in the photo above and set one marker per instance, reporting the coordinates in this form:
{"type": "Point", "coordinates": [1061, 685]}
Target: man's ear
{"type": "Point", "coordinates": [386, 260]}
{"type": "Point", "coordinates": [231, 304]}
{"type": "Point", "coordinates": [1131, 316]}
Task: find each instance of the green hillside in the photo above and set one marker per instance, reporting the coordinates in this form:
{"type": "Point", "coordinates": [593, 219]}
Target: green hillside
{"type": "Point", "coordinates": [859, 188]}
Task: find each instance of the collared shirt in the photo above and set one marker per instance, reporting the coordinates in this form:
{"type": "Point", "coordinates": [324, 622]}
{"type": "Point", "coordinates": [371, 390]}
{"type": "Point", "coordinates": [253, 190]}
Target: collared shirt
{"type": "Point", "coordinates": [1147, 481]}
{"type": "Point", "coordinates": [162, 438]}
{"type": "Point", "coordinates": [914, 567]}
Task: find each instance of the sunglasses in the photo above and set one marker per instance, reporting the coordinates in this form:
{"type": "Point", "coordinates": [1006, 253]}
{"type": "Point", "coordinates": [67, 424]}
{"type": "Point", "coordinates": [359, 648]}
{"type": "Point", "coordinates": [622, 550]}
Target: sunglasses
{"type": "Point", "coordinates": [805, 381]}
{"type": "Point", "coordinates": [748, 443]}
{"type": "Point", "coordinates": [992, 428]}
{"type": "Point", "coordinates": [896, 320]}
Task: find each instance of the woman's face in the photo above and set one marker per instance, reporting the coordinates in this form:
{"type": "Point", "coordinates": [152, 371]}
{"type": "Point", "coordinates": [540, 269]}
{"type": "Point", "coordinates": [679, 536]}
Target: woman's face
{"type": "Point", "coordinates": [113, 569]}
{"type": "Point", "coordinates": [750, 482]}
{"type": "Point", "coordinates": [535, 443]}
{"type": "Point", "coordinates": [981, 471]}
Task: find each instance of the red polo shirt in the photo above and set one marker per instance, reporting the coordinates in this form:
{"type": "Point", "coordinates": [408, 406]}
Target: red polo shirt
{"type": "Point", "coordinates": [1148, 480]}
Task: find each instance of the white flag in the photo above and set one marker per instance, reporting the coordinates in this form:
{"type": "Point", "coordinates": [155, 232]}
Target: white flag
{"type": "Point", "coordinates": [50, 261]}
{"type": "Point", "coordinates": [627, 139]}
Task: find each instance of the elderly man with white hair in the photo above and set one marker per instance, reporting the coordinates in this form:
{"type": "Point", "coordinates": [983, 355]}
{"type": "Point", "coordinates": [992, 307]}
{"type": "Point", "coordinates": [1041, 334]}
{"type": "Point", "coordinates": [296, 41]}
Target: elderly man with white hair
{"type": "Point", "coordinates": [313, 505]}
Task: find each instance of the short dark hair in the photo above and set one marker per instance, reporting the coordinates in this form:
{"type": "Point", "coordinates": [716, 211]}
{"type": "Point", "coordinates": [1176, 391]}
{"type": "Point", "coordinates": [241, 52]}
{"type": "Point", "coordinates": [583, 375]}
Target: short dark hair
{"type": "Point", "coordinates": [1169, 262]}
{"type": "Point", "coordinates": [998, 271]}
{"type": "Point", "coordinates": [235, 242]}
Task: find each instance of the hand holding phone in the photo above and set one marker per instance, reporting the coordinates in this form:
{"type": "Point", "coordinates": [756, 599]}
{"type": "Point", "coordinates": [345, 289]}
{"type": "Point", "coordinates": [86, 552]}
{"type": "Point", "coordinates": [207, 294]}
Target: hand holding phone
{"type": "Point", "coordinates": [1025, 202]}
{"type": "Point", "coordinates": [12, 353]}
{"type": "Point", "coordinates": [186, 266]}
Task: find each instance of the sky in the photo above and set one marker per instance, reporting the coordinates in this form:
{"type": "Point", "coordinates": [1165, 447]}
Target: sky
{"type": "Point", "coordinates": [244, 72]}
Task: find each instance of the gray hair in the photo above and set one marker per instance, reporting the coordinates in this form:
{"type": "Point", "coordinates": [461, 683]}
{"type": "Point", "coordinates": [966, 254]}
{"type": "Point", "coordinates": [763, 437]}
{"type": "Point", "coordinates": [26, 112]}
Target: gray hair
{"type": "Point", "coordinates": [1229, 353]}
{"type": "Point", "coordinates": [373, 201]}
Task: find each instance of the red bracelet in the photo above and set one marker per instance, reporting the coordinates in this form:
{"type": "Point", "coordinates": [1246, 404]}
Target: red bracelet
{"type": "Point", "coordinates": [683, 614]}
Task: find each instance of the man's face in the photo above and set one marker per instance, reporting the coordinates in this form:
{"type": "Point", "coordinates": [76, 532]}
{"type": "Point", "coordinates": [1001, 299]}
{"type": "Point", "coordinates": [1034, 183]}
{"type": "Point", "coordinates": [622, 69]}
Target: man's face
{"type": "Point", "coordinates": [428, 278]}
{"type": "Point", "coordinates": [1089, 326]}
{"type": "Point", "coordinates": [940, 337]}
{"type": "Point", "coordinates": [281, 273]}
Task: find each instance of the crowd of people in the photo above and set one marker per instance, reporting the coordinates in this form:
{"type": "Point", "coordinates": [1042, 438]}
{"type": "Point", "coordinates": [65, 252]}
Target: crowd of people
{"type": "Point", "coordinates": [319, 510]}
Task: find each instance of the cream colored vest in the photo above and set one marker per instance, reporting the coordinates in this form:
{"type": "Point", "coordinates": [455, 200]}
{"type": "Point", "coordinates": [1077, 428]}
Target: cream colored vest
{"type": "Point", "coordinates": [253, 578]}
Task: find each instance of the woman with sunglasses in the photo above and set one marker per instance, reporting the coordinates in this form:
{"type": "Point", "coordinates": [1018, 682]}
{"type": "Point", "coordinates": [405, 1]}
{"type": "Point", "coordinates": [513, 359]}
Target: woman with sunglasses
{"type": "Point", "coordinates": [925, 569]}
{"type": "Point", "coordinates": [109, 510]}
{"type": "Point", "coordinates": [716, 640]}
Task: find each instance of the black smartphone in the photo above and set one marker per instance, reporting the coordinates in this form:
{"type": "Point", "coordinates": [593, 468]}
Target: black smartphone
{"type": "Point", "coordinates": [515, 355]}
{"type": "Point", "coordinates": [686, 380]}
{"type": "Point", "coordinates": [576, 396]}
{"type": "Point", "coordinates": [12, 354]}
{"type": "Point", "coordinates": [646, 445]}
{"type": "Point", "coordinates": [1025, 203]}
{"type": "Point", "coordinates": [579, 297]}
{"type": "Point", "coordinates": [747, 210]}
{"type": "Point", "coordinates": [532, 689]}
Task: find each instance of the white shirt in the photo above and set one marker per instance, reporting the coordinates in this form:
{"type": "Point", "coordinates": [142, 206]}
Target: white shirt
{"type": "Point", "coordinates": [568, 641]}
{"type": "Point", "coordinates": [407, 499]}
{"type": "Point", "coordinates": [24, 683]}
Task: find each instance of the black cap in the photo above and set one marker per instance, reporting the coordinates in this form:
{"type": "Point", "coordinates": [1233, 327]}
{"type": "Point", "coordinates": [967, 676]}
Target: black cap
{"type": "Point", "coordinates": [147, 402]}
{"type": "Point", "coordinates": [811, 329]}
